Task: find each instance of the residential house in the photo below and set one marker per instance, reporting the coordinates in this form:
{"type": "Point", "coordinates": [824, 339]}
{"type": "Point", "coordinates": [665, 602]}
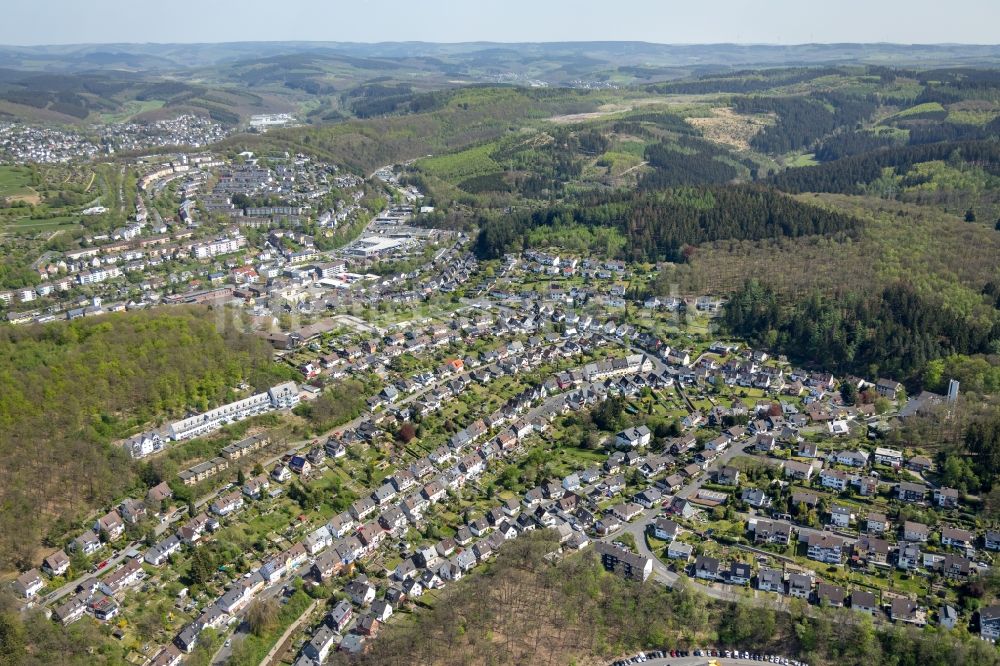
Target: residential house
{"type": "Point", "coordinates": [871, 550]}
{"type": "Point", "coordinates": [876, 523]}
{"type": "Point", "coordinates": [957, 538]}
{"type": "Point", "coordinates": [28, 584]}
{"type": "Point", "coordinates": [627, 511]}
{"type": "Point", "coordinates": [888, 388]}
{"type": "Point", "coordinates": [776, 532]}
{"type": "Point", "coordinates": [825, 548]}
{"type": "Point", "coordinates": [110, 525]}
{"type": "Point", "coordinates": [706, 568]}
{"type": "Point", "coordinates": [318, 647]}
{"type": "Point", "coordinates": [807, 450]}
{"type": "Point", "coordinates": [908, 557]}
{"type": "Point", "coordinates": [889, 457]}
{"type": "Point", "coordinates": [852, 458]}
{"type": "Point", "coordinates": [125, 576]}
{"type": "Point", "coordinates": [255, 487]}
{"type": "Point", "coordinates": [948, 616]}
{"type": "Point", "coordinates": [828, 594]}
{"type": "Point", "coordinates": [649, 497]}
{"type": "Point", "coordinates": [756, 498]}
{"type": "Point", "coordinates": [665, 529]}
{"type": "Point", "coordinates": [834, 479]}
{"type": "Point", "coordinates": [946, 498]}
{"type": "Point", "coordinates": [955, 566]}
{"type": "Point", "coordinates": [56, 564]}
{"type": "Point", "coordinates": [989, 622]}
{"type": "Point", "coordinates": [739, 573]}
{"type": "Point", "coordinates": [799, 471]}
{"type": "Point", "coordinates": [906, 611]}
{"type": "Point", "coordinates": [841, 516]}
{"type": "Point", "coordinates": [678, 550]}
{"type": "Point", "coordinates": [728, 476]}
{"type": "Point", "coordinates": [360, 591]}
{"type": "Point", "coordinates": [87, 543]}
{"type": "Point", "coordinates": [910, 492]}
{"type": "Point", "coordinates": [158, 494]}
{"type": "Point", "coordinates": [770, 580]}
{"type": "Point", "coordinates": [915, 532]}
{"type": "Point", "coordinates": [162, 550]}
{"type": "Point", "coordinates": [864, 601]}
{"type": "Point", "coordinates": [228, 504]}
{"type": "Point", "coordinates": [800, 585]}
{"type": "Point", "coordinates": [632, 438]}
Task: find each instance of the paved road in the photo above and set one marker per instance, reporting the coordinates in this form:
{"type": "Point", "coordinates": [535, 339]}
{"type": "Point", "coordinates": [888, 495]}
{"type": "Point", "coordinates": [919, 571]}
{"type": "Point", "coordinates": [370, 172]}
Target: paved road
{"type": "Point", "coordinates": [242, 629]}
{"type": "Point", "coordinates": [69, 587]}
{"type": "Point", "coordinates": [637, 528]}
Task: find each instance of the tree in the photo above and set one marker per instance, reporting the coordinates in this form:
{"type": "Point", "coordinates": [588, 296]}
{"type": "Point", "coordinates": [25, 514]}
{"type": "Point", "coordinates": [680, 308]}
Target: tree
{"type": "Point", "coordinates": [407, 432]}
{"type": "Point", "coordinates": [11, 639]}
{"type": "Point", "coordinates": [262, 616]}
{"type": "Point", "coordinates": [202, 567]}
{"type": "Point", "coordinates": [849, 392]}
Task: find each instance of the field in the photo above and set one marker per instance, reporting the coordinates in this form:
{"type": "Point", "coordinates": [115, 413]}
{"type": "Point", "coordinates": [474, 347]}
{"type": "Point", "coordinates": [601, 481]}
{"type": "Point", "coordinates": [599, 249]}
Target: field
{"type": "Point", "coordinates": [15, 185]}
{"type": "Point", "coordinates": [131, 109]}
{"type": "Point", "coordinates": [930, 110]}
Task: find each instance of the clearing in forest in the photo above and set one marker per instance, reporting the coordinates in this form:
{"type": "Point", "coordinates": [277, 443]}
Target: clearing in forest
{"type": "Point", "coordinates": [729, 128]}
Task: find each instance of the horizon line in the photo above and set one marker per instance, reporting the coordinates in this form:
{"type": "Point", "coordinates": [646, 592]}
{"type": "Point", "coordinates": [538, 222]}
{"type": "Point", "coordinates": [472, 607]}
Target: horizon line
{"type": "Point", "coordinates": [488, 41]}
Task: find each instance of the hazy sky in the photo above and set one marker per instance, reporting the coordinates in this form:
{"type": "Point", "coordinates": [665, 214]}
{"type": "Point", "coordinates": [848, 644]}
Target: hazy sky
{"type": "Point", "coordinates": [664, 21]}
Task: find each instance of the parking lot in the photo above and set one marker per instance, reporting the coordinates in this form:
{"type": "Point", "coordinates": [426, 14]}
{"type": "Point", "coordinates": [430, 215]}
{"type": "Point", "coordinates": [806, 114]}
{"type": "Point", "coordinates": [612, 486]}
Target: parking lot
{"type": "Point", "coordinates": [700, 657]}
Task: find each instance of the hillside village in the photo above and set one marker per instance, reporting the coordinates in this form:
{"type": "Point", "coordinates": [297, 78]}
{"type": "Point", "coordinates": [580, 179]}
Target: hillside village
{"type": "Point", "coordinates": [706, 460]}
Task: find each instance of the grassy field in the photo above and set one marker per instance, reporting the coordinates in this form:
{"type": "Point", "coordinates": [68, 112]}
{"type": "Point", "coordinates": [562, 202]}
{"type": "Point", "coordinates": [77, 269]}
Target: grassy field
{"type": "Point", "coordinates": [15, 183]}
{"type": "Point", "coordinates": [927, 109]}
{"type": "Point", "coordinates": [131, 109]}
{"type": "Point", "coordinates": [32, 225]}
{"type": "Point", "coordinates": [806, 159]}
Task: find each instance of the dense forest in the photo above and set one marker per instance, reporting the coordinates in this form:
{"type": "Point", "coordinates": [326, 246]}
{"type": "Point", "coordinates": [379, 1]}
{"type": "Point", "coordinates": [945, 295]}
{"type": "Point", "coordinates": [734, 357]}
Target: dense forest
{"type": "Point", "coordinates": [803, 120]}
{"type": "Point", "coordinates": [857, 142]}
{"type": "Point", "coordinates": [522, 609]}
{"type": "Point", "coordinates": [686, 162]}
{"type": "Point", "coordinates": [893, 333]}
{"type": "Point", "coordinates": [68, 389]}
{"type": "Point", "coordinates": [745, 81]}
{"type": "Point", "coordinates": [661, 225]}
{"type": "Point", "coordinates": [849, 174]}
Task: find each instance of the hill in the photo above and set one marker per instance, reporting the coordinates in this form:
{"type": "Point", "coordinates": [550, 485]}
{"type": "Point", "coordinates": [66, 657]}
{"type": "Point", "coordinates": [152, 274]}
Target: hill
{"type": "Point", "coordinates": [57, 464]}
{"type": "Point", "coordinates": [524, 609]}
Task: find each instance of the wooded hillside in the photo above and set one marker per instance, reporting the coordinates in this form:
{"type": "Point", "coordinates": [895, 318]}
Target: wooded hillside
{"type": "Point", "coordinates": [659, 225]}
{"type": "Point", "coordinates": [68, 389]}
{"type": "Point", "coordinates": [523, 610]}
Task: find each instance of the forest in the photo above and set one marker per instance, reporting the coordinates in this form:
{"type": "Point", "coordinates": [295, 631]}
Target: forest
{"type": "Point", "coordinates": [523, 608]}
{"type": "Point", "coordinates": [686, 162]}
{"type": "Point", "coordinates": [803, 120]}
{"type": "Point", "coordinates": [68, 389]}
{"type": "Point", "coordinates": [666, 224]}
{"type": "Point", "coordinates": [847, 175]}
{"type": "Point", "coordinates": [893, 333]}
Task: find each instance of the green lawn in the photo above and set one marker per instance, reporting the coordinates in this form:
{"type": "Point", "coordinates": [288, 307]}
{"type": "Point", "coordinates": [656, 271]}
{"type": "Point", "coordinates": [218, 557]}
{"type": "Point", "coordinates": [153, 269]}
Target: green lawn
{"type": "Point", "coordinates": [14, 181]}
